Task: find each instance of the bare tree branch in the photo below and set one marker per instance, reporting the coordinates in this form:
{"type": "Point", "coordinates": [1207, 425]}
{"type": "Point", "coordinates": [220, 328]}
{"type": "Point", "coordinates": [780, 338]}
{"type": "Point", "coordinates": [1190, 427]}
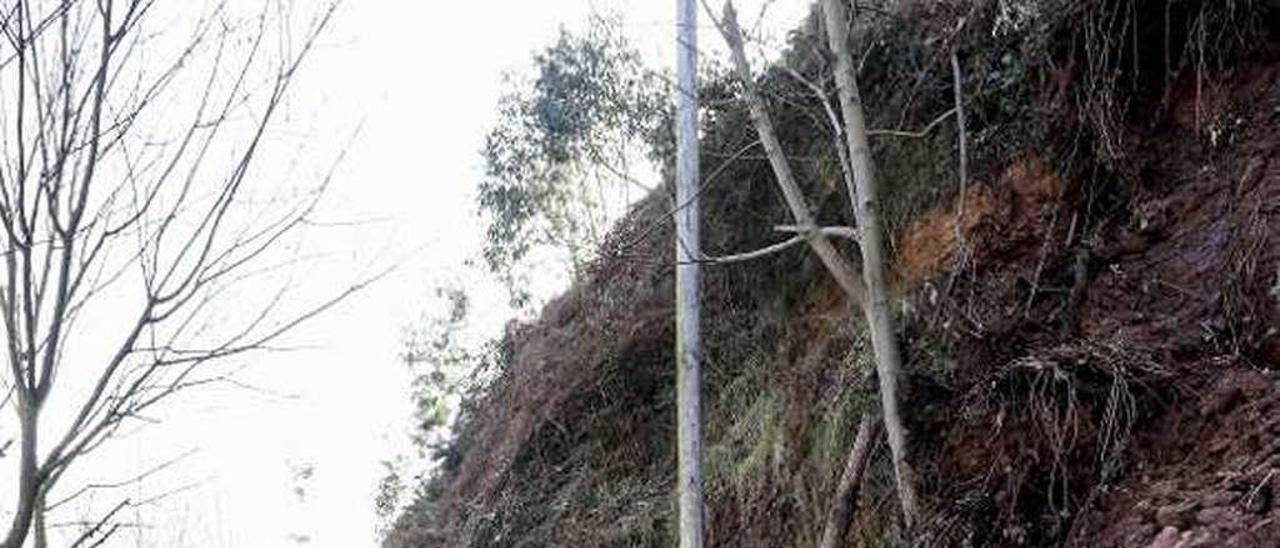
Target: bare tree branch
{"type": "Point", "coordinates": [97, 197]}
{"type": "Point", "coordinates": [913, 134]}
{"type": "Point", "coordinates": [836, 264]}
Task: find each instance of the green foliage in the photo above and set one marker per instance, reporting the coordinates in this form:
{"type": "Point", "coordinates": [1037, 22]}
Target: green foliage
{"type": "Point", "coordinates": [439, 363]}
{"type": "Point", "coordinates": [836, 421]}
{"type": "Point", "coordinates": [447, 367]}
{"type": "Point", "coordinates": [449, 370]}
{"type": "Point", "coordinates": [418, 523]}
{"type": "Point", "coordinates": [391, 487]}
{"type": "Point", "coordinates": [565, 142]}
{"type": "Point", "coordinates": [749, 441]}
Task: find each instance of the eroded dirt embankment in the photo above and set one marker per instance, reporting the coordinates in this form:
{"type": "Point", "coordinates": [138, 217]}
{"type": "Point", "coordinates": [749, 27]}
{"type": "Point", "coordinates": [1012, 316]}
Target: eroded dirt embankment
{"type": "Point", "coordinates": [1121, 384]}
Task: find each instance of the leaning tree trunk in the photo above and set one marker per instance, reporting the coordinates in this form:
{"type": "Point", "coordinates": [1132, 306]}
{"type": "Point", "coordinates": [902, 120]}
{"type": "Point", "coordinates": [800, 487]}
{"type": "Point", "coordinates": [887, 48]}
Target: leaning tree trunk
{"type": "Point", "coordinates": [866, 210]}
{"type": "Point", "coordinates": [835, 263]}
{"type": "Point", "coordinates": [875, 302]}
{"type": "Point", "coordinates": [846, 496]}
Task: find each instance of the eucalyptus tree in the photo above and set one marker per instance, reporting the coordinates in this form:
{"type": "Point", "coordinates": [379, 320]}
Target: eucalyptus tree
{"type": "Point", "coordinates": [569, 146]}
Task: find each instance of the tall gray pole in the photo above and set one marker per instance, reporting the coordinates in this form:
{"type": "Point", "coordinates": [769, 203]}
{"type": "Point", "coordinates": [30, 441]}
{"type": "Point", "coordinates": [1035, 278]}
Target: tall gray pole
{"type": "Point", "coordinates": [688, 345]}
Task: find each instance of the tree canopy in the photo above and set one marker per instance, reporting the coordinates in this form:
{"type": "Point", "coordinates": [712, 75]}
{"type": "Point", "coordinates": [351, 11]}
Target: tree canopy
{"type": "Point", "coordinates": [567, 146]}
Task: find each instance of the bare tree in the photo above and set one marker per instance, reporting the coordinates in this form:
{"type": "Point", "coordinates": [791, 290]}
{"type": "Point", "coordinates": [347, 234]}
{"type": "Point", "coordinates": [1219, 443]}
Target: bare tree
{"type": "Point", "coordinates": [127, 199]}
{"type": "Point", "coordinates": [869, 291]}
{"type": "Point", "coordinates": [817, 237]}
{"type": "Point", "coordinates": [866, 211]}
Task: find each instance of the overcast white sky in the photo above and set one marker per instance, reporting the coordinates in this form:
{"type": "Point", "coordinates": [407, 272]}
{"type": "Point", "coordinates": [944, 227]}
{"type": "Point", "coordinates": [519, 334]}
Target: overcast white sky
{"type": "Point", "coordinates": [422, 78]}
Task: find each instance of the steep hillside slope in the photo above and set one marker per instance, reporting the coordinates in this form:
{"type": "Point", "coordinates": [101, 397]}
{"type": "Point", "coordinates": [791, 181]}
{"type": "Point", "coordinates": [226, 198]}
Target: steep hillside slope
{"type": "Point", "coordinates": [1093, 351]}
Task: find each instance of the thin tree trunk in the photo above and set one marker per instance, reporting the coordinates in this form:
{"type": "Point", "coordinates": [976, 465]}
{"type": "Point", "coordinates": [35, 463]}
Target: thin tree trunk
{"type": "Point", "coordinates": [28, 473]}
{"type": "Point", "coordinates": [40, 531]}
{"type": "Point", "coordinates": [836, 264]}
{"type": "Point", "coordinates": [962, 136]}
{"type": "Point", "coordinates": [866, 211]}
{"type": "Point", "coordinates": [688, 252]}
{"type": "Point", "coordinates": [846, 496]}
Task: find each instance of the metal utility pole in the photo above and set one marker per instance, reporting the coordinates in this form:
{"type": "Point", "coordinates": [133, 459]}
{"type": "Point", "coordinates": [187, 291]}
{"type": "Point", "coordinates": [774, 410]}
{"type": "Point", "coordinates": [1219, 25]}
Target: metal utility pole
{"type": "Point", "coordinates": [688, 253]}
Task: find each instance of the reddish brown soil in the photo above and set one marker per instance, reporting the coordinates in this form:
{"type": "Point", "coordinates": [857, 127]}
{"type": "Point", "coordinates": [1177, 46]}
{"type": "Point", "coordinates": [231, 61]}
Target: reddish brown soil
{"type": "Point", "coordinates": [1203, 279]}
{"type": "Point", "coordinates": [1210, 472]}
{"type": "Point", "coordinates": [1177, 298]}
